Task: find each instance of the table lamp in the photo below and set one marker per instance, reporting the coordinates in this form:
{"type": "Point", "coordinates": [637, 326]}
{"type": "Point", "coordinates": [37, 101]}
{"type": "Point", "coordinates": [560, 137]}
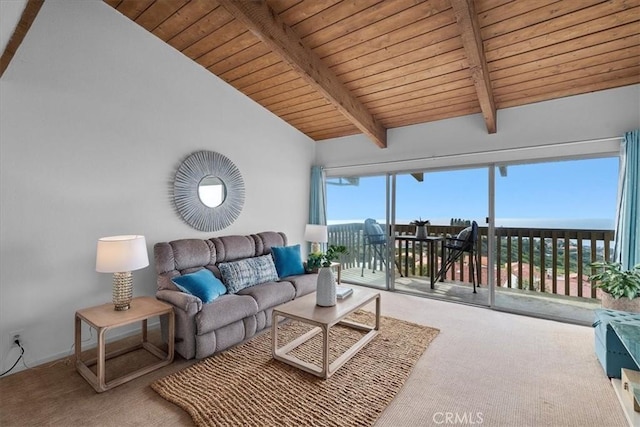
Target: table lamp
{"type": "Point", "coordinates": [121, 255]}
{"type": "Point", "coordinates": [315, 234]}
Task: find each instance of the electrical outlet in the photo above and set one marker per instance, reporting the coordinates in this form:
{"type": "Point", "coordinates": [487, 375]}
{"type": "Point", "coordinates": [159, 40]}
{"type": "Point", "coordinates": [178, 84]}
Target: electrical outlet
{"type": "Point", "coordinates": [16, 335]}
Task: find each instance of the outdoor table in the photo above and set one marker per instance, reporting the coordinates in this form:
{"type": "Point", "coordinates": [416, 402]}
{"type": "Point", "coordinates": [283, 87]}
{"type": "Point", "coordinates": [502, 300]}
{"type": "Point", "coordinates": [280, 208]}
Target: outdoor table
{"type": "Point", "coordinates": [431, 241]}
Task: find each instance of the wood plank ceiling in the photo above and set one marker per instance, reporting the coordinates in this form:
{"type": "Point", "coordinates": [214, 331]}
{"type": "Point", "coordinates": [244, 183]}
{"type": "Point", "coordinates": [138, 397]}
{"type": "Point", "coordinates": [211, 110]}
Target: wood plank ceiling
{"type": "Point", "coordinates": [333, 68]}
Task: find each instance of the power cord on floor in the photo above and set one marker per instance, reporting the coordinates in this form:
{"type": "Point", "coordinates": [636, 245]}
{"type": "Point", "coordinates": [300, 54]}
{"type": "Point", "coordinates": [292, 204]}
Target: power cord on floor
{"type": "Point", "coordinates": [66, 360]}
{"type": "Point", "coordinates": [17, 342]}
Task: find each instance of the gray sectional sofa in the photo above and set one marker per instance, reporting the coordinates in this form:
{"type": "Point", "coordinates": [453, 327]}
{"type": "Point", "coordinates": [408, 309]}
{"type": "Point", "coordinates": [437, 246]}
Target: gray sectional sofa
{"type": "Point", "coordinates": [206, 328]}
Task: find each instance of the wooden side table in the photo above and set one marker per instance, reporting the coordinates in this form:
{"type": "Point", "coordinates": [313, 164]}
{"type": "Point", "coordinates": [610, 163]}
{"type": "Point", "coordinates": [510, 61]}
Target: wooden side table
{"type": "Point", "coordinates": [103, 318]}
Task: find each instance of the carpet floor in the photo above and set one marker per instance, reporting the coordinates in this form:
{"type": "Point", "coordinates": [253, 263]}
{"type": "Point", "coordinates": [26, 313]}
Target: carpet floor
{"type": "Point", "coordinates": [245, 386]}
{"type": "Point", "coordinates": [508, 370]}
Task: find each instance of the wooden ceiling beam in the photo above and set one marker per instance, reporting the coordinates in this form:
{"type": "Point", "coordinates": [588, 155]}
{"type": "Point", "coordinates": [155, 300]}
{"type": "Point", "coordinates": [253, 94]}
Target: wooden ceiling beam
{"type": "Point", "coordinates": [265, 24]}
{"type": "Point", "coordinates": [26, 19]}
{"type": "Point", "coordinates": [472, 41]}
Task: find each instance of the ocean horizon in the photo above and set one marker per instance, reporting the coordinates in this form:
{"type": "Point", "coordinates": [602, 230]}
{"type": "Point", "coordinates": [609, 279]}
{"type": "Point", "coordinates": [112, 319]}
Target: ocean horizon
{"type": "Point", "coordinates": [561, 223]}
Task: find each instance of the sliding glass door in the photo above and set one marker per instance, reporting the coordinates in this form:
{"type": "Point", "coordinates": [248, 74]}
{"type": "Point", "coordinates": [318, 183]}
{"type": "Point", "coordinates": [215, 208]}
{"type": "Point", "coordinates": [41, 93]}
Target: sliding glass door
{"type": "Point", "coordinates": [376, 218]}
{"type": "Point", "coordinates": [426, 263]}
{"type": "Point", "coordinates": [357, 216]}
{"type": "Point", "coordinates": [552, 221]}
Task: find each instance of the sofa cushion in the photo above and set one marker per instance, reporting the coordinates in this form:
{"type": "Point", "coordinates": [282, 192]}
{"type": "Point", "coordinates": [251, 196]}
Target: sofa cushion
{"type": "Point", "coordinates": [192, 253]}
{"type": "Point", "coordinates": [270, 294]}
{"type": "Point", "coordinates": [223, 311]}
{"type": "Point", "coordinates": [304, 283]}
{"type": "Point", "coordinates": [202, 284]}
{"type": "Point", "coordinates": [247, 272]}
{"type": "Point", "coordinates": [267, 239]}
{"type": "Point", "coordinates": [233, 248]}
{"type": "Point", "coordinates": [288, 260]}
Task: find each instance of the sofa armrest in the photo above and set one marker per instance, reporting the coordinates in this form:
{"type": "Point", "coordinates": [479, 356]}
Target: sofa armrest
{"type": "Point", "coordinates": [190, 304]}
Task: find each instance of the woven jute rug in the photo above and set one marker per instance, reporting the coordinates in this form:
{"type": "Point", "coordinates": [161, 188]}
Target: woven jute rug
{"type": "Point", "coordinates": [244, 386]}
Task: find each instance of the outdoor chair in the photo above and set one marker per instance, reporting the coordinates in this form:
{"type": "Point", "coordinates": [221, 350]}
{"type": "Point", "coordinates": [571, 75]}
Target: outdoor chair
{"type": "Point", "coordinates": [375, 240]}
{"type": "Point", "coordinates": [456, 247]}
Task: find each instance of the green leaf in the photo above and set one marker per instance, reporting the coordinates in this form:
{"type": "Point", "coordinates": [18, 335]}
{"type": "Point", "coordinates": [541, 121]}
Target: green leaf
{"type": "Point", "coordinates": [612, 280]}
{"type": "Point", "coordinates": [325, 259]}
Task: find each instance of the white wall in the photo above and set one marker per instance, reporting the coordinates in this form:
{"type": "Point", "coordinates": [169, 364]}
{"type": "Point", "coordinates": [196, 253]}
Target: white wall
{"type": "Point", "coordinates": [96, 115]}
{"type": "Point", "coordinates": [439, 144]}
{"type": "Point", "coordinates": [10, 13]}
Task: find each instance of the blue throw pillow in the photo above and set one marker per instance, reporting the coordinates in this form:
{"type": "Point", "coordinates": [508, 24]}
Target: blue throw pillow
{"type": "Point", "coordinates": [202, 284]}
{"type": "Point", "coordinates": [288, 260]}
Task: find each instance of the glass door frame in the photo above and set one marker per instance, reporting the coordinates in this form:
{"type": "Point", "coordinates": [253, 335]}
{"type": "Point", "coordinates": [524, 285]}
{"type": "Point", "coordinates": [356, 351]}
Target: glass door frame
{"type": "Point", "coordinates": [391, 226]}
{"type": "Point", "coordinates": [491, 233]}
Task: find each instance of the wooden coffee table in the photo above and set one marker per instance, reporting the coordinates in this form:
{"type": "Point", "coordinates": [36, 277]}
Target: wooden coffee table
{"type": "Point", "coordinates": [305, 310]}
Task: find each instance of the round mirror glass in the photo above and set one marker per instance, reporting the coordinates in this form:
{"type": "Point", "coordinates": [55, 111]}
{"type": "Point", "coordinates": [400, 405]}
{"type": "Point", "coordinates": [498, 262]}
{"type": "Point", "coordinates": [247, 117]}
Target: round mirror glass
{"type": "Point", "coordinates": [212, 191]}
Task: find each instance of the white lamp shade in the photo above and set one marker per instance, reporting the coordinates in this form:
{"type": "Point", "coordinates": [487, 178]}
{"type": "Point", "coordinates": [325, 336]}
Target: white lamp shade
{"type": "Point", "coordinates": [316, 233]}
{"type": "Point", "coordinates": [118, 254]}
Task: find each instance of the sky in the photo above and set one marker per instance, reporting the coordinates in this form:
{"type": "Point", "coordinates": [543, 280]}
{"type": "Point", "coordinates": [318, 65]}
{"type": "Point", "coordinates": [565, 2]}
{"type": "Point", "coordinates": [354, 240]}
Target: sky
{"type": "Point", "coordinates": [563, 192]}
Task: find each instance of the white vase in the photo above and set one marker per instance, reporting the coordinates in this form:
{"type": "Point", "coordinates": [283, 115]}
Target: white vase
{"type": "Point", "coordinates": [326, 288]}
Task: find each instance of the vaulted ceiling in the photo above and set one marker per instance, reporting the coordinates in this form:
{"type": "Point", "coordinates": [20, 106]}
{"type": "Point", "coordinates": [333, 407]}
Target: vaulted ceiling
{"type": "Point", "coordinates": [333, 68]}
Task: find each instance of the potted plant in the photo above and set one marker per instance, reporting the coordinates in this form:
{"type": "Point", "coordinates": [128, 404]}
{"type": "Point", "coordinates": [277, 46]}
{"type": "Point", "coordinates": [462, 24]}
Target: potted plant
{"type": "Point", "coordinates": [421, 228]}
{"type": "Point", "coordinates": [621, 288]}
{"type": "Point", "coordinates": [326, 285]}
{"type": "Point", "coordinates": [320, 259]}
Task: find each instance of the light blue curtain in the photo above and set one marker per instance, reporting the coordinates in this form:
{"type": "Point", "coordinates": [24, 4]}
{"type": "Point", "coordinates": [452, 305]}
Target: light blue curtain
{"type": "Point", "coordinates": [627, 243]}
{"type": "Point", "coordinates": [318, 197]}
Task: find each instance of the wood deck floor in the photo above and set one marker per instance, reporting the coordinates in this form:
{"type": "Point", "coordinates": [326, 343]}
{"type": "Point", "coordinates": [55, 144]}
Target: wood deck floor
{"type": "Point", "coordinates": [556, 307]}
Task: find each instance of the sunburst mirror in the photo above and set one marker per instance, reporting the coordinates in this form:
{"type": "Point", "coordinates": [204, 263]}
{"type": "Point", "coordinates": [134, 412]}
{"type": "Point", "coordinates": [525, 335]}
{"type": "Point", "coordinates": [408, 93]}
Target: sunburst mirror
{"type": "Point", "coordinates": [208, 191]}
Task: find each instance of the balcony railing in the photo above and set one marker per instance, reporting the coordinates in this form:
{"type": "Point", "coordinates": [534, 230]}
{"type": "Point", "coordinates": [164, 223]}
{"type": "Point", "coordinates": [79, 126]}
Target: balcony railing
{"type": "Point", "coordinates": [555, 261]}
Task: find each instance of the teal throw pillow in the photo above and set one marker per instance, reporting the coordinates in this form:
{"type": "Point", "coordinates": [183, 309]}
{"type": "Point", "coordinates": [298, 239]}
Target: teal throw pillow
{"type": "Point", "coordinates": [202, 284]}
{"type": "Point", "coordinates": [288, 260]}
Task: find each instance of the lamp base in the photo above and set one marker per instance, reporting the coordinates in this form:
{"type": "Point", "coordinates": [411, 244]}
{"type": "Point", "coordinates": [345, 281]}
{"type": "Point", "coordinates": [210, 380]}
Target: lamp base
{"type": "Point", "coordinates": [122, 307]}
{"type": "Point", "coordinates": [315, 248]}
{"type": "Point", "coordinates": [122, 290]}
